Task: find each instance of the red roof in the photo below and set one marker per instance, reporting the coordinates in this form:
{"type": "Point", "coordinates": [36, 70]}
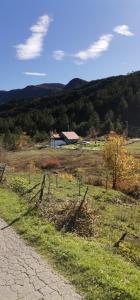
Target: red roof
{"type": "Point", "coordinates": [70, 135]}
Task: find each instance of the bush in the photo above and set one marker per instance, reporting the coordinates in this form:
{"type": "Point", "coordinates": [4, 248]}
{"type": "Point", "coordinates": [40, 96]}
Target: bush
{"type": "Point", "coordinates": [2, 154]}
{"type": "Point", "coordinates": [19, 185]}
{"type": "Point", "coordinates": [48, 164]}
{"type": "Point", "coordinates": [93, 180]}
{"type": "Point", "coordinates": [67, 219]}
{"type": "Point", "coordinates": [9, 141]}
{"type": "Point", "coordinates": [66, 176]}
{"type": "Point", "coordinates": [130, 188]}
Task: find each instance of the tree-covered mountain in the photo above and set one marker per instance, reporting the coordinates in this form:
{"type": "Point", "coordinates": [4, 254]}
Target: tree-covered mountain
{"type": "Point", "coordinates": [75, 83]}
{"type": "Point", "coordinates": [101, 105]}
{"type": "Point", "coordinates": [40, 90]}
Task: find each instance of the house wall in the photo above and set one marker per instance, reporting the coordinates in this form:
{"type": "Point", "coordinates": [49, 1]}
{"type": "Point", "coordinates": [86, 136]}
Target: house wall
{"type": "Point", "coordinates": [55, 143]}
{"type": "Point", "coordinates": [71, 141]}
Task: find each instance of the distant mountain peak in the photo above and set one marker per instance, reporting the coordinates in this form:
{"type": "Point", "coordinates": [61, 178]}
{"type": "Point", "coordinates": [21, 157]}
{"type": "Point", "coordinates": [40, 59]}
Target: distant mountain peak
{"type": "Point", "coordinates": [75, 83]}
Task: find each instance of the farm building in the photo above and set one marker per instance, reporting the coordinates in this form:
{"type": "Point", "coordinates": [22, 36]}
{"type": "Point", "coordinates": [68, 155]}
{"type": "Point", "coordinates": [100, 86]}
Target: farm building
{"type": "Point", "coordinates": [64, 138]}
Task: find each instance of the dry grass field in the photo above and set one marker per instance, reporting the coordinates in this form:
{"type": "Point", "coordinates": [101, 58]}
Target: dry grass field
{"type": "Point", "coordinates": [70, 160]}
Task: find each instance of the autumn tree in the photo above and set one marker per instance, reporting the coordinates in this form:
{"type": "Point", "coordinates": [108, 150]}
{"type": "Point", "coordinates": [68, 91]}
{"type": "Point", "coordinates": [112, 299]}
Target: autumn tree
{"type": "Point", "coordinates": [22, 141]}
{"type": "Point", "coordinates": [119, 164]}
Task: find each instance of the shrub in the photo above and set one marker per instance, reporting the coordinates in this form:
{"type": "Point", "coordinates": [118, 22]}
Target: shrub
{"type": "Point", "coordinates": [93, 180]}
{"type": "Point", "coordinates": [48, 164]}
{"type": "Point", "coordinates": [67, 219]}
{"type": "Point", "coordinates": [66, 176]}
{"type": "Point", "coordinates": [19, 185]}
{"type": "Point", "coordinates": [130, 188]}
{"type": "Point", "coordinates": [30, 166]}
{"type": "Point", "coordinates": [22, 141]}
{"type": "Point", "coordinates": [2, 154]}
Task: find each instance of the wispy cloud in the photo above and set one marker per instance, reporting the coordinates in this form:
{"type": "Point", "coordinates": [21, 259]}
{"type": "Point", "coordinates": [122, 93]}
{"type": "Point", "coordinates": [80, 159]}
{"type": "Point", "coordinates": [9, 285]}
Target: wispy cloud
{"type": "Point", "coordinates": [58, 54]}
{"type": "Point", "coordinates": [96, 49]}
{"type": "Point", "coordinates": [33, 46]}
{"type": "Point", "coordinates": [35, 74]}
{"type": "Point", "coordinates": [124, 30]}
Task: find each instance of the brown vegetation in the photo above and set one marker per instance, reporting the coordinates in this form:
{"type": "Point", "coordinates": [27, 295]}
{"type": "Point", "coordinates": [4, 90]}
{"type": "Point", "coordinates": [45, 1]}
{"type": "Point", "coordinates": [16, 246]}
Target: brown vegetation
{"type": "Point", "coordinates": [73, 216]}
{"type": "Point", "coordinates": [48, 164]}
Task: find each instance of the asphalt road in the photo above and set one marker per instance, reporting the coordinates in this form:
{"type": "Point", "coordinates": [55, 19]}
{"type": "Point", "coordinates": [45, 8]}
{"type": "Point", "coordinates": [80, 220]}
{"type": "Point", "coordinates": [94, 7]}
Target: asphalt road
{"type": "Point", "coordinates": [25, 275]}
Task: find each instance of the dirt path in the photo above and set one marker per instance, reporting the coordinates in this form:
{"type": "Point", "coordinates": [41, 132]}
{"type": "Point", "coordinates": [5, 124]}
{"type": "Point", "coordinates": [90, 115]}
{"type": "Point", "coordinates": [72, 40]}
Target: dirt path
{"type": "Point", "coordinates": [25, 275]}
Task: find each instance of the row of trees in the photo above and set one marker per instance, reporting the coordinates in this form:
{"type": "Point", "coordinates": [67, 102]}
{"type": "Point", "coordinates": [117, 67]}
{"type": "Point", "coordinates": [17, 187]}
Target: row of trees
{"type": "Point", "coordinates": [39, 124]}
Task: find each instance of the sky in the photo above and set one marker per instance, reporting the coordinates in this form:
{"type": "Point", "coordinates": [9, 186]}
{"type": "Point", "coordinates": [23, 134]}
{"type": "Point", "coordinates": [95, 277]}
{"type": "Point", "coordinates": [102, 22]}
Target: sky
{"type": "Point", "coordinates": [57, 40]}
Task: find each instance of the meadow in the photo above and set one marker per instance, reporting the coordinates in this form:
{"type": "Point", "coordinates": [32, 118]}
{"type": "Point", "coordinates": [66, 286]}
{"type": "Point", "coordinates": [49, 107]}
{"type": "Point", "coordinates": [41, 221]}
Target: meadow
{"type": "Point", "coordinates": [96, 268]}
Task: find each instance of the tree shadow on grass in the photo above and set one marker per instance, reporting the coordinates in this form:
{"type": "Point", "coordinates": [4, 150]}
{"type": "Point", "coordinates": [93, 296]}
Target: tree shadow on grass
{"type": "Point", "coordinates": [27, 212]}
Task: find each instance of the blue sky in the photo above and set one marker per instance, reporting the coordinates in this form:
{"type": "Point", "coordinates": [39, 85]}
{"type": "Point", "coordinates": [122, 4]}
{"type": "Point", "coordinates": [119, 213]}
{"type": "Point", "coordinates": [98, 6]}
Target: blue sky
{"type": "Point", "coordinates": [57, 40]}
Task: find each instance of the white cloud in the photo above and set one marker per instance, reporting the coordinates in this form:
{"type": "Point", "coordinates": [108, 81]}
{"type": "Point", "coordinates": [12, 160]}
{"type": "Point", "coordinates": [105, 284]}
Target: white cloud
{"type": "Point", "coordinates": [96, 49]}
{"type": "Point", "coordinates": [58, 54]}
{"type": "Point", "coordinates": [35, 74]}
{"type": "Point", "coordinates": [124, 30]}
{"type": "Point", "coordinates": [33, 46]}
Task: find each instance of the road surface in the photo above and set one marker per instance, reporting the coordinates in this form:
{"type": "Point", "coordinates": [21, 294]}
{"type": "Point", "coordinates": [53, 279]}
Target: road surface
{"type": "Point", "coordinates": [24, 275]}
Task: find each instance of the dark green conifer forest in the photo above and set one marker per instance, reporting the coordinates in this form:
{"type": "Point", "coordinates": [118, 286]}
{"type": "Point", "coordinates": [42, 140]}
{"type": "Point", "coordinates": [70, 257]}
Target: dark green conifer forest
{"type": "Point", "coordinates": [102, 105]}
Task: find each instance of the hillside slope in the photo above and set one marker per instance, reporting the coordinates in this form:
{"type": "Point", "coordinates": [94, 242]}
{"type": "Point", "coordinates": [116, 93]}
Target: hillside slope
{"type": "Point", "coordinates": [105, 104]}
{"type": "Point", "coordinates": [41, 90]}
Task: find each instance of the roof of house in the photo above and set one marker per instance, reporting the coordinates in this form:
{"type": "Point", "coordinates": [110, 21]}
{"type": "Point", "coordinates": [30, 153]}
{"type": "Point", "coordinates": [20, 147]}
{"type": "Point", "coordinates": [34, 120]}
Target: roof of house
{"type": "Point", "coordinates": [70, 135]}
{"type": "Point", "coordinates": [56, 136]}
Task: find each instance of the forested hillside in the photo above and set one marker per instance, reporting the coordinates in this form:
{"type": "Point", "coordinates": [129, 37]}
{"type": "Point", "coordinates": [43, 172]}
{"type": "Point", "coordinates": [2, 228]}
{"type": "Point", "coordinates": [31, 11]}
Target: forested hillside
{"type": "Point", "coordinates": [104, 105]}
{"type": "Point", "coordinates": [39, 90]}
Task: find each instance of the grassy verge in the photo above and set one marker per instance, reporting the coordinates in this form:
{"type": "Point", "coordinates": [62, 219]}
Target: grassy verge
{"type": "Point", "coordinates": [117, 213]}
{"type": "Point", "coordinates": [94, 268]}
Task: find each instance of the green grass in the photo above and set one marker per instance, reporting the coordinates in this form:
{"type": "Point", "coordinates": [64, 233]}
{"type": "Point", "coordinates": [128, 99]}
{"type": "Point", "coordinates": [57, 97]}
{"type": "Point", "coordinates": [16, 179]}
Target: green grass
{"type": "Point", "coordinates": [134, 148]}
{"type": "Point", "coordinates": [90, 146]}
{"type": "Point", "coordinates": [117, 213]}
{"type": "Point", "coordinates": [93, 266]}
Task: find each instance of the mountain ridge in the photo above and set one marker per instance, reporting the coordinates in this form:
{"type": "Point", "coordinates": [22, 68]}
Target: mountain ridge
{"type": "Point", "coordinates": [103, 104]}
{"type": "Point", "coordinates": [39, 90]}
{"type": "Point", "coordinates": [30, 91]}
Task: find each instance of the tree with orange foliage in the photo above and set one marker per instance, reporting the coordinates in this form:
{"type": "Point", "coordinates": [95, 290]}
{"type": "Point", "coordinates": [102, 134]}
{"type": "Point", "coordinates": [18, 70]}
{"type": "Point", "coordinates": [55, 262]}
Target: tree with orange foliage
{"type": "Point", "coordinates": [120, 165]}
{"type": "Point", "coordinates": [22, 141]}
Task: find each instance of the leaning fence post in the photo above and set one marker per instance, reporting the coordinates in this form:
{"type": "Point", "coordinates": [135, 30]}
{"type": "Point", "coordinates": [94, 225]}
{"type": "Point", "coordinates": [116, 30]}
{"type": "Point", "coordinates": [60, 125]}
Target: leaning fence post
{"type": "Point", "coordinates": [117, 244]}
{"type": "Point", "coordinates": [79, 185]}
{"type": "Point", "coordinates": [2, 169]}
{"type": "Point", "coordinates": [49, 184]}
{"type": "Point", "coordinates": [42, 189]}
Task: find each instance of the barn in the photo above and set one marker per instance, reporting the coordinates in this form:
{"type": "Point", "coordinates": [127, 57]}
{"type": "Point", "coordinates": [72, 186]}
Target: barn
{"type": "Point", "coordinates": [64, 138]}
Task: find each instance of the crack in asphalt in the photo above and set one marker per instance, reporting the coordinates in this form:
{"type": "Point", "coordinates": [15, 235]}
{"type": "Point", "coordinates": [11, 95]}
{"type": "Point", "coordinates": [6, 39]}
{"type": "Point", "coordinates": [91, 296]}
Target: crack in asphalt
{"type": "Point", "coordinates": [24, 275]}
